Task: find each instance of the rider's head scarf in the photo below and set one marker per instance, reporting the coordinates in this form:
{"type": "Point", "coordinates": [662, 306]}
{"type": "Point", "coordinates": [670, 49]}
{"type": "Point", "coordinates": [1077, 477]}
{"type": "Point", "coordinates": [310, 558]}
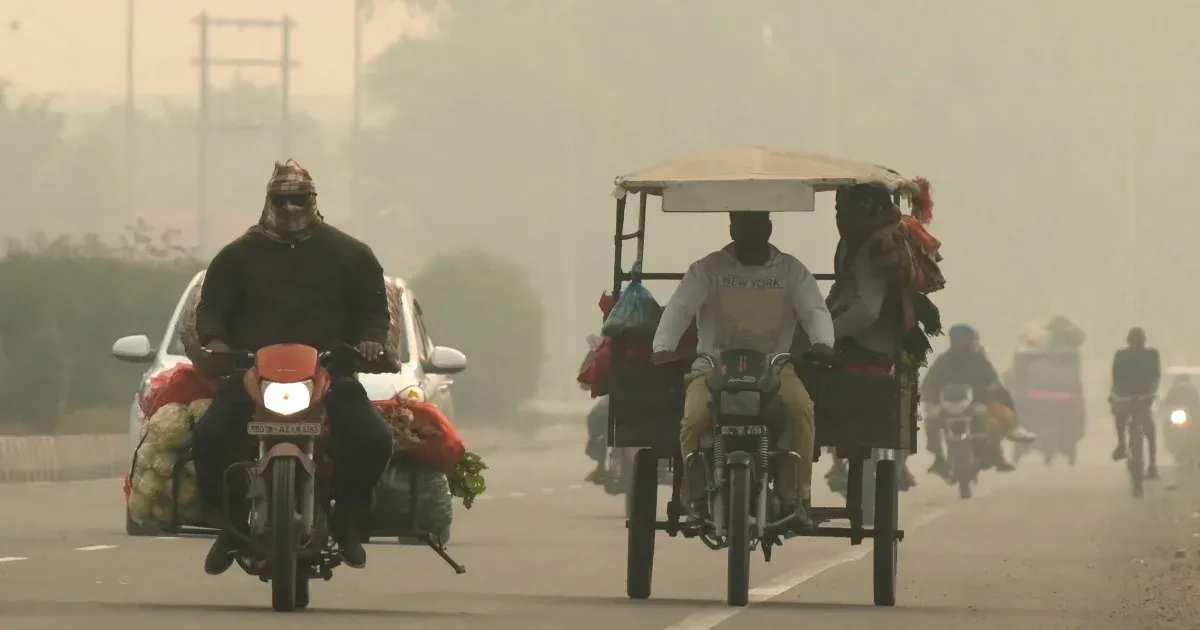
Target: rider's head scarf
{"type": "Point", "coordinates": [863, 209]}
{"type": "Point", "coordinates": [1136, 337]}
{"type": "Point", "coordinates": [290, 212]}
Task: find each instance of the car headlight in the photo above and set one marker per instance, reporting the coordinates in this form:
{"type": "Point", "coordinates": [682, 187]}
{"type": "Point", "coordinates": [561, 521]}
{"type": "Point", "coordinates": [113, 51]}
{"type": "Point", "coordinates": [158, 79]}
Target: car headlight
{"type": "Point", "coordinates": [1179, 416]}
{"type": "Point", "coordinates": [287, 399]}
{"type": "Point", "coordinates": [413, 393]}
{"type": "Point", "coordinates": [741, 403]}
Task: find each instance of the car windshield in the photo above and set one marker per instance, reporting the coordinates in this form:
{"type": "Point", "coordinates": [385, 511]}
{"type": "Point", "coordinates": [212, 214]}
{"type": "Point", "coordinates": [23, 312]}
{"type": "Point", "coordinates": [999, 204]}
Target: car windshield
{"type": "Point", "coordinates": [175, 343]}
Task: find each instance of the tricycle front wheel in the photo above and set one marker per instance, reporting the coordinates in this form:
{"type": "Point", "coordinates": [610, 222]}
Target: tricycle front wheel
{"type": "Point", "coordinates": [887, 517]}
{"type": "Point", "coordinates": [643, 512]}
{"type": "Point", "coordinates": [739, 536]}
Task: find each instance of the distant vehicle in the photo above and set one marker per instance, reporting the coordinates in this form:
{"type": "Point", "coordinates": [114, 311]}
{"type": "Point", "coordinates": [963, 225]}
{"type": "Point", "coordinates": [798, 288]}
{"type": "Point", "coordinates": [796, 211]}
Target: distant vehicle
{"type": "Point", "coordinates": [1180, 435]}
{"type": "Point", "coordinates": [414, 380]}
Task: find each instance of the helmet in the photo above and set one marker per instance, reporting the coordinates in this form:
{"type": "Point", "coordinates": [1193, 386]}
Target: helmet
{"type": "Point", "coordinates": [963, 333]}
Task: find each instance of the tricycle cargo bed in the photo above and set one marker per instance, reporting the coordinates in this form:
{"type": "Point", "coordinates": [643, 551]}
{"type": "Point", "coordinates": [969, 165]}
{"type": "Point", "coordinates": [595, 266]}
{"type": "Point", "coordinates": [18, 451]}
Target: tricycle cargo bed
{"type": "Point", "coordinates": [645, 405]}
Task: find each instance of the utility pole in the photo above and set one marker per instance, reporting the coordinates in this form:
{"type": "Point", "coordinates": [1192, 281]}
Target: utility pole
{"type": "Point", "coordinates": [130, 115]}
{"type": "Point", "coordinates": [356, 120]}
{"type": "Point", "coordinates": [204, 126]}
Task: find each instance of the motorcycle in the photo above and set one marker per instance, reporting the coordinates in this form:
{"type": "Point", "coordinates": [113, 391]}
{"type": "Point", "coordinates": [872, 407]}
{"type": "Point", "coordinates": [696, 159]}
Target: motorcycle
{"type": "Point", "coordinates": [739, 473]}
{"type": "Point", "coordinates": [289, 541]}
{"type": "Point", "coordinates": [963, 424]}
{"type": "Point", "coordinates": [1180, 435]}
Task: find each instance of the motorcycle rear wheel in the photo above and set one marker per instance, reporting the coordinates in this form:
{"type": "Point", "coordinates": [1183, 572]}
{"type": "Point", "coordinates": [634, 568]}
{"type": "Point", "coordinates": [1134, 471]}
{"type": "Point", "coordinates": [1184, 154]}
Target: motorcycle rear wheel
{"type": "Point", "coordinates": [283, 536]}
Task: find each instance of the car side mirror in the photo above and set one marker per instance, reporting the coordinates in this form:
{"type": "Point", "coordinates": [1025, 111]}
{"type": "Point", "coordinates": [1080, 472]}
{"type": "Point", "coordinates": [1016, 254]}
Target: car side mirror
{"type": "Point", "coordinates": [133, 349]}
{"type": "Point", "coordinates": [445, 360]}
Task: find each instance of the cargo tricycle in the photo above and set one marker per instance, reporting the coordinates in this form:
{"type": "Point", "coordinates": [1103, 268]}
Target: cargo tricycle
{"type": "Point", "coordinates": [866, 418]}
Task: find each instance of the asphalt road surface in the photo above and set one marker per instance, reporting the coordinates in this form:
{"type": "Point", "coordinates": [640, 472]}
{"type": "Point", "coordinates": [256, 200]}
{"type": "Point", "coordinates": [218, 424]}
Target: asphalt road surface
{"type": "Point", "coordinates": [1041, 548]}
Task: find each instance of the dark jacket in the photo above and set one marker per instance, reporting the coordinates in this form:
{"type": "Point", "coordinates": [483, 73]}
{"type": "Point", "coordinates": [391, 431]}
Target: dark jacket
{"type": "Point", "coordinates": [324, 290]}
{"type": "Point", "coordinates": [1136, 372]}
{"type": "Point", "coordinates": [972, 368]}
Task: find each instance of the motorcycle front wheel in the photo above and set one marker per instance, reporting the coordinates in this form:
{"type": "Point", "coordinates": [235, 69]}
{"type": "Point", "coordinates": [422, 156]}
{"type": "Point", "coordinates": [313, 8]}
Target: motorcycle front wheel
{"type": "Point", "coordinates": [282, 560]}
{"type": "Point", "coordinates": [739, 536]}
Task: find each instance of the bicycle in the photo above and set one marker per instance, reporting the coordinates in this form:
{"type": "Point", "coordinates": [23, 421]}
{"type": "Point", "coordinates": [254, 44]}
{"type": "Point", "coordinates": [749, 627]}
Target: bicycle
{"type": "Point", "coordinates": [1137, 409]}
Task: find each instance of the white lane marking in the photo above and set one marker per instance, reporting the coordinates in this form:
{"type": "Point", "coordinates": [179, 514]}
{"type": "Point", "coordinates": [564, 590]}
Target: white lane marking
{"type": "Point", "coordinates": [711, 619]}
{"type": "Point", "coordinates": [11, 559]}
{"type": "Point", "coordinates": [96, 548]}
{"type": "Point", "coordinates": [575, 486]}
{"type": "Point", "coordinates": [166, 538]}
{"type": "Point", "coordinates": [547, 490]}
{"type": "Point", "coordinates": [516, 495]}
{"type": "Point", "coordinates": [486, 497]}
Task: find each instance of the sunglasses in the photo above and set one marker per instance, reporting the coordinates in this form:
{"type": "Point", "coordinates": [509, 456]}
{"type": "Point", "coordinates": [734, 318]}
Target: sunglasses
{"type": "Point", "coordinates": [280, 201]}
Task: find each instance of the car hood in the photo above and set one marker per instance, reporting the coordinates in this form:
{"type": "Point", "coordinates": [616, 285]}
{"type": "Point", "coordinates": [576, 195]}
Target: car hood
{"type": "Point", "coordinates": [386, 386]}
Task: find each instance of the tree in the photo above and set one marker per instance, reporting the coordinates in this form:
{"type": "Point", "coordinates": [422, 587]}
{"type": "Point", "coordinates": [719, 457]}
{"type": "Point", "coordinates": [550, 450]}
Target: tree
{"type": "Point", "coordinates": [484, 305]}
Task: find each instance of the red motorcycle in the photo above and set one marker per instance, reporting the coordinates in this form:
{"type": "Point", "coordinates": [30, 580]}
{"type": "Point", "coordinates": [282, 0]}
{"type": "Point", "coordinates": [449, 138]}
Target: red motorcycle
{"type": "Point", "coordinates": [288, 492]}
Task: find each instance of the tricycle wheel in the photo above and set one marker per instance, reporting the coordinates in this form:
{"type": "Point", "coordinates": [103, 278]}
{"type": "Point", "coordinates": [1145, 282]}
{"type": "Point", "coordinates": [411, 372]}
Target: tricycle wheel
{"type": "Point", "coordinates": [302, 591]}
{"type": "Point", "coordinates": [887, 517]}
{"type": "Point", "coordinates": [627, 467]}
{"type": "Point", "coordinates": [739, 536]}
{"type": "Point", "coordinates": [869, 485]}
{"type": "Point", "coordinates": [643, 511]}
{"type": "Point", "coordinates": [282, 561]}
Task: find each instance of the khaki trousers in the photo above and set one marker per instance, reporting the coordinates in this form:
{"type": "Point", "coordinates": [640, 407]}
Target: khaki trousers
{"type": "Point", "coordinates": [794, 482]}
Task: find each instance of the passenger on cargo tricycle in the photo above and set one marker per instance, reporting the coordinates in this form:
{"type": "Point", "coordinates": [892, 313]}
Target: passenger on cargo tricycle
{"type": "Point", "coordinates": [752, 486]}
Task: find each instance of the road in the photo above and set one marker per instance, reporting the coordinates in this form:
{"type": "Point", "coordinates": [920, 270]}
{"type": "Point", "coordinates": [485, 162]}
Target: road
{"type": "Point", "coordinates": [1046, 549]}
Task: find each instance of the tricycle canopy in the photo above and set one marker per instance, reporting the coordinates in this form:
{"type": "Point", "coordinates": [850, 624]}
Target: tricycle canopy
{"type": "Point", "coordinates": [755, 178]}
{"type": "Point", "coordinates": [1182, 370]}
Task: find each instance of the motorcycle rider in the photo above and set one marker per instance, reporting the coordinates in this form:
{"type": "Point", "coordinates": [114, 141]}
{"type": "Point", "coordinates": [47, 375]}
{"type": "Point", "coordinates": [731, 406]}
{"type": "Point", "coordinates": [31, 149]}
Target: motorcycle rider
{"type": "Point", "coordinates": [748, 296]}
{"type": "Point", "coordinates": [966, 362]}
{"type": "Point", "coordinates": [1136, 371]}
{"type": "Point", "coordinates": [292, 278]}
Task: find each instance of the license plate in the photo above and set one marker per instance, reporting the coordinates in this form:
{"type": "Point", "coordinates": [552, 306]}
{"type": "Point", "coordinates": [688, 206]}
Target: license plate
{"type": "Point", "coordinates": [740, 431]}
{"type": "Point", "coordinates": [284, 428]}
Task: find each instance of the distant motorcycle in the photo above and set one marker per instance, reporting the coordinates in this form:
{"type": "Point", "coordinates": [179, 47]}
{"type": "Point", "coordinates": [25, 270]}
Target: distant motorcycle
{"type": "Point", "coordinates": [963, 423]}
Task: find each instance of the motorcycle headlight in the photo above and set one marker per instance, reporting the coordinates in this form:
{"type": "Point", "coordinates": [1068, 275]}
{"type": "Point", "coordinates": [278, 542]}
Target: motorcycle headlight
{"type": "Point", "coordinates": [1178, 417]}
{"type": "Point", "coordinates": [954, 408]}
{"type": "Point", "coordinates": [287, 399]}
{"type": "Point", "coordinates": [413, 393]}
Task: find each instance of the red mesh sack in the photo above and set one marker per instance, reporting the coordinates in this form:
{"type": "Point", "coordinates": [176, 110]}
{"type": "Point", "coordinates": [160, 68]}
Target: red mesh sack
{"type": "Point", "coordinates": [180, 384]}
{"type": "Point", "coordinates": [424, 432]}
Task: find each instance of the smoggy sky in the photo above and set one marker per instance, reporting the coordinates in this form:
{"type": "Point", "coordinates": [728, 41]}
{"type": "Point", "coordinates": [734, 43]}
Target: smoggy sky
{"type": "Point", "coordinates": [79, 45]}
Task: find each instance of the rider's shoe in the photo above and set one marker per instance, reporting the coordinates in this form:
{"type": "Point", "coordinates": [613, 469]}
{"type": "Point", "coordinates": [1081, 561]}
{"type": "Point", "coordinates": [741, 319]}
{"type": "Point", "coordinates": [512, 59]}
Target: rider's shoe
{"type": "Point", "coordinates": [1152, 472]}
{"type": "Point", "coordinates": [801, 521]}
{"type": "Point", "coordinates": [597, 476]}
{"type": "Point", "coordinates": [940, 467]}
{"type": "Point", "coordinates": [1003, 466]}
{"type": "Point", "coordinates": [907, 480]}
{"type": "Point", "coordinates": [1118, 453]}
{"type": "Point", "coordinates": [838, 476]}
{"type": "Point", "coordinates": [698, 514]}
{"type": "Point", "coordinates": [1020, 436]}
{"type": "Point", "coordinates": [221, 554]}
{"type": "Point", "coordinates": [343, 526]}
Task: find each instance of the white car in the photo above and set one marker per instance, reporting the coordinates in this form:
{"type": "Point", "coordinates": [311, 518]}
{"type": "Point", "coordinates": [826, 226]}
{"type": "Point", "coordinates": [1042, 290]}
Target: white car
{"type": "Point", "coordinates": [424, 374]}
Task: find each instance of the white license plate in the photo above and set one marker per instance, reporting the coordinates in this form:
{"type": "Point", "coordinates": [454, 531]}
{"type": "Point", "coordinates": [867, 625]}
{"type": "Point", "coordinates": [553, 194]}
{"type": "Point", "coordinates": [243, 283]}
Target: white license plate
{"type": "Point", "coordinates": [284, 428]}
{"type": "Point", "coordinates": [738, 431]}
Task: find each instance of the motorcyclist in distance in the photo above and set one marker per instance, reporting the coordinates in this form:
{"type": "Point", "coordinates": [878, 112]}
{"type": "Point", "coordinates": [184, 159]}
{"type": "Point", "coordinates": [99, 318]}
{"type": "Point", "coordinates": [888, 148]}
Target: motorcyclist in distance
{"type": "Point", "coordinates": [966, 362]}
{"type": "Point", "coordinates": [292, 278]}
